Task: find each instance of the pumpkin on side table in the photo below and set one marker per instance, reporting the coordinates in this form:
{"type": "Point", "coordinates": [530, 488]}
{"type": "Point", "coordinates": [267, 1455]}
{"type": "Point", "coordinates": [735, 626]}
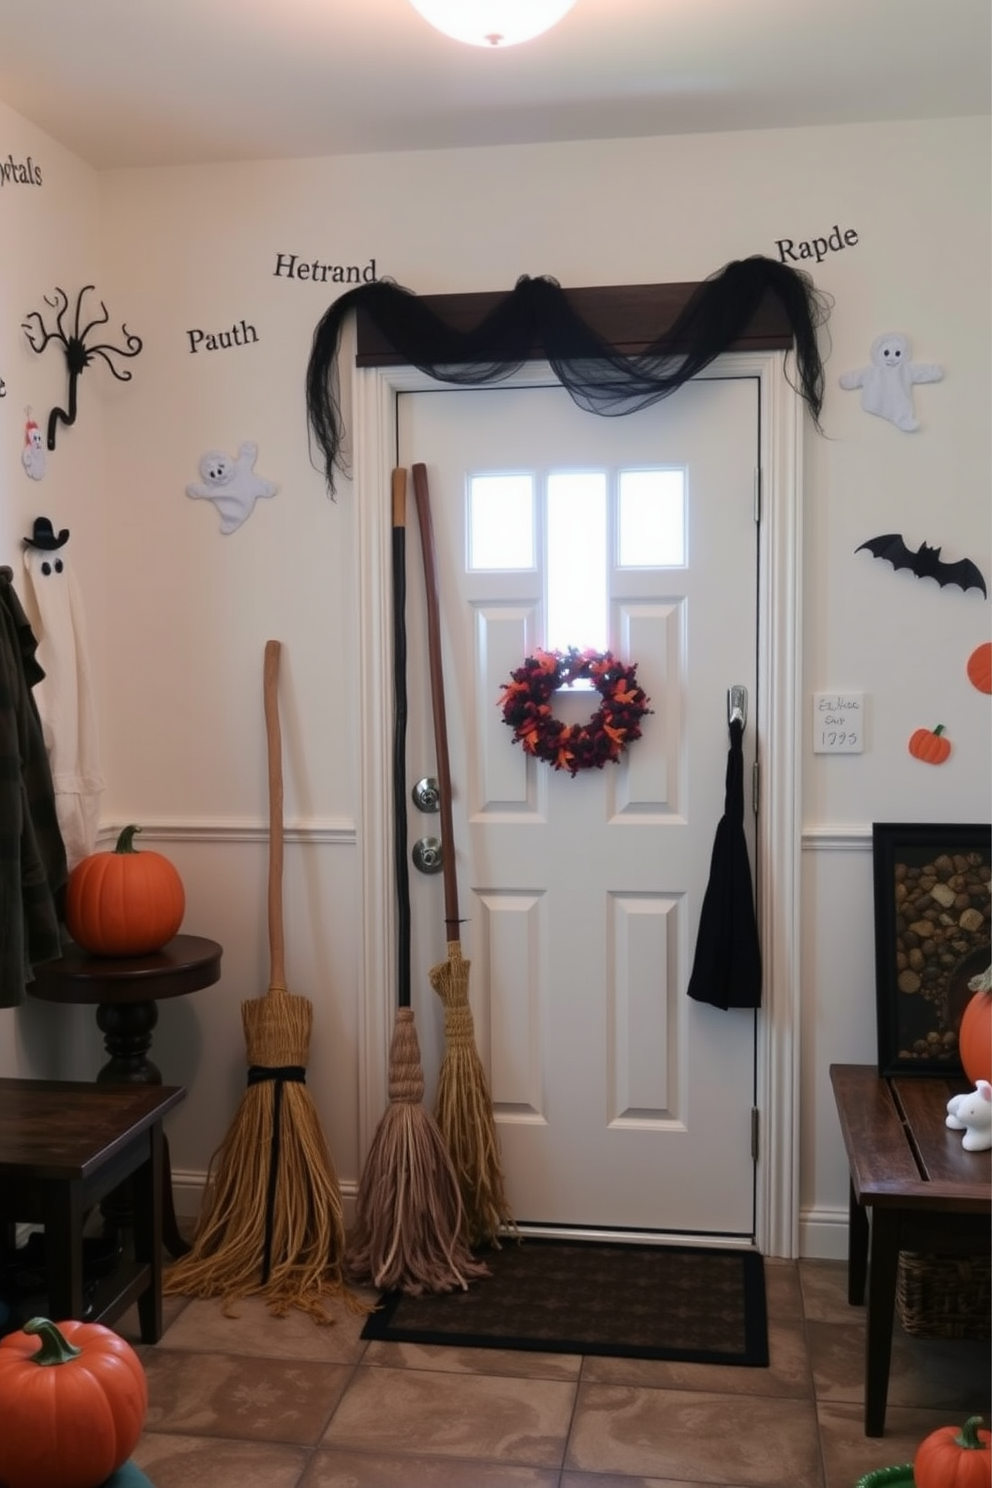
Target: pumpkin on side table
{"type": "Point", "coordinates": [975, 1033]}
{"type": "Point", "coordinates": [125, 902]}
{"type": "Point", "coordinates": [73, 1400]}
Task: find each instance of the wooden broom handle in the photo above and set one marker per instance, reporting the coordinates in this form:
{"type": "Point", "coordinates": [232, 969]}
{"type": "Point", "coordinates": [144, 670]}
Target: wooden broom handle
{"type": "Point", "coordinates": [273, 740]}
{"type": "Point", "coordinates": [401, 871]}
{"type": "Point", "coordinates": [422, 494]}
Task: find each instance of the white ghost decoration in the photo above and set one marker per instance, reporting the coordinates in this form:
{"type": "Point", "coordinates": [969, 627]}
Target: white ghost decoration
{"type": "Point", "coordinates": [231, 485]}
{"type": "Point", "coordinates": [887, 385]}
{"type": "Point", "coordinates": [63, 696]}
{"type": "Point", "coordinates": [33, 453]}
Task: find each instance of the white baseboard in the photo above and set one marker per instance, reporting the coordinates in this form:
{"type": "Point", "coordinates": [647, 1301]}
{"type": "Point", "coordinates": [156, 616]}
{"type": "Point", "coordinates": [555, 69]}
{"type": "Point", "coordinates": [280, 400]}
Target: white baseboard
{"type": "Point", "coordinates": [188, 1185]}
{"type": "Point", "coordinates": [823, 1234]}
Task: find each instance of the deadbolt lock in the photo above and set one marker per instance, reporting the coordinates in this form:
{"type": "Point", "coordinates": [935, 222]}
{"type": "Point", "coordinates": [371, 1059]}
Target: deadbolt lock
{"type": "Point", "coordinates": [427, 794]}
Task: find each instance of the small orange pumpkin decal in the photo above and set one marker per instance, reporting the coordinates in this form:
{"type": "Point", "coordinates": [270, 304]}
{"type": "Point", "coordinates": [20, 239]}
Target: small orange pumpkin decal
{"type": "Point", "coordinates": [930, 745]}
{"type": "Point", "coordinates": [980, 667]}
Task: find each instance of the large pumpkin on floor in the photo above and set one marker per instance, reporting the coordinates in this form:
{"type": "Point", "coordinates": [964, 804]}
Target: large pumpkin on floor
{"type": "Point", "coordinates": [949, 1458]}
{"type": "Point", "coordinates": [73, 1400]}
{"type": "Point", "coordinates": [125, 902]}
{"type": "Point", "coordinates": [975, 1038]}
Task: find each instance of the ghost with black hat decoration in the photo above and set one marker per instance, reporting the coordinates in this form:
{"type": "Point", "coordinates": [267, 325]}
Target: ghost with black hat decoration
{"type": "Point", "coordinates": [64, 696]}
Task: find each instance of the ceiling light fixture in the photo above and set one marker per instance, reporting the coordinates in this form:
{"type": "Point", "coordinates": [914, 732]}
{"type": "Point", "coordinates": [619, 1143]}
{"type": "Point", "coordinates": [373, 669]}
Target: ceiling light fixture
{"type": "Point", "coordinates": [492, 23]}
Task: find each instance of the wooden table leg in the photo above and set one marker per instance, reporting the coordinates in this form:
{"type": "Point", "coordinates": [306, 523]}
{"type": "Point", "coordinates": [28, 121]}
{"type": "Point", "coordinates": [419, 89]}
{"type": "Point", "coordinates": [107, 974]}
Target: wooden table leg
{"type": "Point", "coordinates": [63, 1218]}
{"type": "Point", "coordinates": [882, 1267]}
{"type": "Point", "coordinates": [148, 1235]}
{"type": "Point", "coordinates": [857, 1249]}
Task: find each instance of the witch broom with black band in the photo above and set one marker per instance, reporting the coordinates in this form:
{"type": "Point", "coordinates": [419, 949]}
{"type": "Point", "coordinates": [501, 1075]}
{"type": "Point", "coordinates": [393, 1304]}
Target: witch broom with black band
{"type": "Point", "coordinates": [272, 1223]}
{"type": "Point", "coordinates": [409, 1219]}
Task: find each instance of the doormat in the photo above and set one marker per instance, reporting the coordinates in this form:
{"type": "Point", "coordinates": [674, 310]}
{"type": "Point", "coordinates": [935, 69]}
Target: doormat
{"type": "Point", "coordinates": [693, 1304]}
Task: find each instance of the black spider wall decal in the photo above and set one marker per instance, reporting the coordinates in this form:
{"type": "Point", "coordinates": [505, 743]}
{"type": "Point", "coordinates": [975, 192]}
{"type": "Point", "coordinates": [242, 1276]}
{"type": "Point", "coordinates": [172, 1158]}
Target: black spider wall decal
{"type": "Point", "coordinates": [78, 354]}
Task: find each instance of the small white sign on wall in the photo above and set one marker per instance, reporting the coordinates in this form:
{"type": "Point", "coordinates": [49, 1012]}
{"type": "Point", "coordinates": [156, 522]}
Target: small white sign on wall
{"type": "Point", "coordinates": [838, 722]}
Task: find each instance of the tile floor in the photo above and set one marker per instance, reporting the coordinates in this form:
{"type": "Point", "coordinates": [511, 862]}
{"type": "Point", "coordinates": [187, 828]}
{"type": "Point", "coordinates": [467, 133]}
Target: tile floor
{"type": "Point", "coordinates": [262, 1402]}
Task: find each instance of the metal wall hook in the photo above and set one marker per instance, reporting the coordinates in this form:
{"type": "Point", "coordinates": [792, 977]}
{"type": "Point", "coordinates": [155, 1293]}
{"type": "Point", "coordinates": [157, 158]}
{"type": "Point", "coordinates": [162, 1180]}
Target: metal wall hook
{"type": "Point", "coordinates": [79, 352]}
{"type": "Point", "coordinates": [737, 705]}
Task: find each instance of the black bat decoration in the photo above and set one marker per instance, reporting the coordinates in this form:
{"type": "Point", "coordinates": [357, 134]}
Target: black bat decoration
{"type": "Point", "coordinates": [925, 563]}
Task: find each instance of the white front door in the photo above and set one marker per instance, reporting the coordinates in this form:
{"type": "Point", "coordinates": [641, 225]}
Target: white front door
{"type": "Point", "coordinates": [620, 1103]}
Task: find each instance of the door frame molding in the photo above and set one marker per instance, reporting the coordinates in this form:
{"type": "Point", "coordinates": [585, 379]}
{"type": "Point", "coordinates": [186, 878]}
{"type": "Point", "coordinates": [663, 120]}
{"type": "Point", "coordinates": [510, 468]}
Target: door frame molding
{"type": "Point", "coordinates": [373, 392]}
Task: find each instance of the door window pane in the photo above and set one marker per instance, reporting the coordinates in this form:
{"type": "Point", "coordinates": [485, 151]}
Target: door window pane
{"type": "Point", "coordinates": [577, 601]}
{"type": "Point", "coordinates": [651, 519]}
{"type": "Point", "coordinates": [501, 521]}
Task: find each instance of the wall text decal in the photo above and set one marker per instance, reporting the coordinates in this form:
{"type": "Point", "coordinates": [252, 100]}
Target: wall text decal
{"type": "Point", "coordinates": [23, 173]}
{"type": "Point", "coordinates": [241, 334]}
{"type": "Point", "coordinates": [291, 266]}
{"type": "Point", "coordinates": [789, 251]}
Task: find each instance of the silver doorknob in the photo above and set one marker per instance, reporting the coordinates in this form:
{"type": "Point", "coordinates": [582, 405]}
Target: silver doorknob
{"type": "Point", "coordinates": [427, 794]}
{"type": "Point", "coordinates": [427, 855]}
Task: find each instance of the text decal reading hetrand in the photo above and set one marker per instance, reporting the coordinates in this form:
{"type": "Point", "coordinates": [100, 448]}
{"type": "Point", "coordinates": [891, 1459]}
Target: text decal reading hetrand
{"type": "Point", "coordinates": [19, 172]}
{"type": "Point", "coordinates": [292, 266]}
{"type": "Point", "coordinates": [792, 251]}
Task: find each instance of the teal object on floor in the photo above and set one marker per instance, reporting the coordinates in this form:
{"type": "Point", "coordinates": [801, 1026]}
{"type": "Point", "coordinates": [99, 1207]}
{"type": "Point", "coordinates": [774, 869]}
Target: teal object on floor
{"type": "Point", "coordinates": [128, 1476]}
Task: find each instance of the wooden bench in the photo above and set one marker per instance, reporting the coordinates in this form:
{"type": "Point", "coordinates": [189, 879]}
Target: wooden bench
{"type": "Point", "coordinates": [923, 1190]}
{"type": "Point", "coordinates": [64, 1145]}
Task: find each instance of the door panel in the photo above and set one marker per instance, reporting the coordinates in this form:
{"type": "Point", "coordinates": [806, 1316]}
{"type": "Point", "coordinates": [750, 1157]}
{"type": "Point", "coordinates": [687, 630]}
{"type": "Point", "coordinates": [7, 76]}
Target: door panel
{"type": "Point", "coordinates": [619, 1102]}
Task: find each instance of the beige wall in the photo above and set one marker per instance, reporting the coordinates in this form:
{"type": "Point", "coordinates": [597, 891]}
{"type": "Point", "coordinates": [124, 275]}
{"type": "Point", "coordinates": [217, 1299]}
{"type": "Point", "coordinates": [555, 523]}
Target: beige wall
{"type": "Point", "coordinates": [180, 613]}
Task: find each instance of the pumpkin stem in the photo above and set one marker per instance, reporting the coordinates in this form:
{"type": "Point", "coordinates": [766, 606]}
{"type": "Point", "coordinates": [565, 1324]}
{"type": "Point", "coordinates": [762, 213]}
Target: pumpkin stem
{"type": "Point", "coordinates": [968, 1436]}
{"type": "Point", "coordinates": [125, 842]}
{"type": "Point", "coordinates": [56, 1349]}
{"type": "Point", "coordinates": [936, 733]}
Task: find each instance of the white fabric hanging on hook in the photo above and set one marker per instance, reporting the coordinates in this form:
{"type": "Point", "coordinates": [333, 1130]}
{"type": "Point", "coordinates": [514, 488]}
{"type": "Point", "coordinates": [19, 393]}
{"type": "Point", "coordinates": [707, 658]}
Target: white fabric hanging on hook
{"type": "Point", "coordinates": [64, 697]}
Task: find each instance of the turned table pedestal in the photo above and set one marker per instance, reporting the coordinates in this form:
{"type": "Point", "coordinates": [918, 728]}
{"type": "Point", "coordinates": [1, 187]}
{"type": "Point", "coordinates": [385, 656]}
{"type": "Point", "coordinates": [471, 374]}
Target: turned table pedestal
{"type": "Point", "coordinates": [126, 991]}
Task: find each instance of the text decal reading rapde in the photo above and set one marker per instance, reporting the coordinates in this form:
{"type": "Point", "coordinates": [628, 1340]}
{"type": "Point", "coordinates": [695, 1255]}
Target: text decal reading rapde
{"type": "Point", "coordinates": [291, 266]}
{"type": "Point", "coordinates": [20, 172]}
{"type": "Point", "coordinates": [791, 250]}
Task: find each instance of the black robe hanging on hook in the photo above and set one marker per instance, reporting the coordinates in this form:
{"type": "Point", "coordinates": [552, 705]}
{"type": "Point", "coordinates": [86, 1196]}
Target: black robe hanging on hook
{"type": "Point", "coordinates": [726, 971]}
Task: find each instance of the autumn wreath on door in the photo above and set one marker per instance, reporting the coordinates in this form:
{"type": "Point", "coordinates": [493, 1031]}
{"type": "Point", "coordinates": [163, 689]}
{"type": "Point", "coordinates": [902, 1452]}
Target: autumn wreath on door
{"type": "Point", "coordinates": [526, 705]}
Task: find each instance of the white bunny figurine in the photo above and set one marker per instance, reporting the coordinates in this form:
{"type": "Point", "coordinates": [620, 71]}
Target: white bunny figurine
{"type": "Point", "coordinates": [972, 1114]}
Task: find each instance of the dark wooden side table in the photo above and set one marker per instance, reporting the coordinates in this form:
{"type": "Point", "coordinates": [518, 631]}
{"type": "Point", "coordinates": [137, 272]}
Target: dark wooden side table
{"type": "Point", "coordinates": [924, 1192]}
{"type": "Point", "coordinates": [126, 991]}
{"type": "Point", "coordinates": [64, 1144]}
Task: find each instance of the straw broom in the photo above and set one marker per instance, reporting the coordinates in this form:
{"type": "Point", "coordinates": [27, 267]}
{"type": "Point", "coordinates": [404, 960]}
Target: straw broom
{"type": "Point", "coordinates": [272, 1223]}
{"type": "Point", "coordinates": [463, 1105]}
{"type": "Point", "coordinates": [409, 1218]}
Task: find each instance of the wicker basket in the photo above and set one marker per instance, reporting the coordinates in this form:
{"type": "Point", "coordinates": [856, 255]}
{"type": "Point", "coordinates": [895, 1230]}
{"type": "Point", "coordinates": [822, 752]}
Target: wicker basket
{"type": "Point", "coordinates": [940, 1296]}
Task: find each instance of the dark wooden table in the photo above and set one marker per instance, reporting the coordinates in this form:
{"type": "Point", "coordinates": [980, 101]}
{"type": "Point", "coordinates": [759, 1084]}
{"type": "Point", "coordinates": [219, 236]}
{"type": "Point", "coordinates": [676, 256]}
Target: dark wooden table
{"type": "Point", "coordinates": [64, 1144]}
{"type": "Point", "coordinates": [126, 991]}
{"type": "Point", "coordinates": [923, 1190]}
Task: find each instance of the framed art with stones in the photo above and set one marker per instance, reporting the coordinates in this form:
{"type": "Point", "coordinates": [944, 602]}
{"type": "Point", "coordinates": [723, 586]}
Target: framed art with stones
{"type": "Point", "coordinates": [932, 939]}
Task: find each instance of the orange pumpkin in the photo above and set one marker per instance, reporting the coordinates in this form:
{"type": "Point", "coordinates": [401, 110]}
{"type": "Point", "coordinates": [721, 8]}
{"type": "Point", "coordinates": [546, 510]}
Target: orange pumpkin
{"type": "Point", "coordinates": [124, 903]}
{"type": "Point", "coordinates": [980, 667]}
{"type": "Point", "coordinates": [74, 1398]}
{"type": "Point", "coordinates": [975, 1038]}
{"type": "Point", "coordinates": [930, 745]}
{"type": "Point", "coordinates": [952, 1458]}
